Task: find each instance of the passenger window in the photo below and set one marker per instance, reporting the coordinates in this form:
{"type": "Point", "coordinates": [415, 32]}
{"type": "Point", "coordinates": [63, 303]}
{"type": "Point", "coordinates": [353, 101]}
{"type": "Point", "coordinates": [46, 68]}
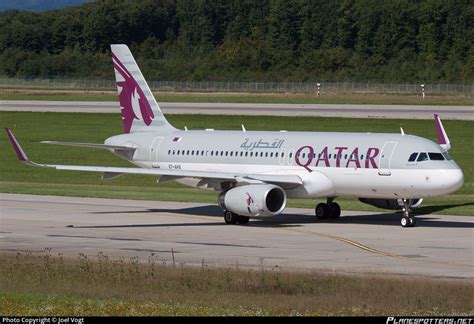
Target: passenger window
{"type": "Point", "coordinates": [271, 154]}
{"type": "Point", "coordinates": [422, 157]}
{"type": "Point", "coordinates": [436, 156]}
{"type": "Point", "coordinates": [412, 157]}
{"type": "Point", "coordinates": [246, 153]}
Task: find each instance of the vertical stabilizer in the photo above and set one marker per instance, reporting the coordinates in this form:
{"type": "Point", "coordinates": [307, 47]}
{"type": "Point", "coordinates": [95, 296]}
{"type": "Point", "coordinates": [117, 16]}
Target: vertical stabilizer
{"type": "Point", "coordinates": [140, 111]}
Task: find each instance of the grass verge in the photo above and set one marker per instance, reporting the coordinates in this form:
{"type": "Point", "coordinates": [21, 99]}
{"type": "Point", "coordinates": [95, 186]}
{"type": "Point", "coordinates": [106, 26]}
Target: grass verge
{"type": "Point", "coordinates": [34, 127]}
{"type": "Point", "coordinates": [43, 284]}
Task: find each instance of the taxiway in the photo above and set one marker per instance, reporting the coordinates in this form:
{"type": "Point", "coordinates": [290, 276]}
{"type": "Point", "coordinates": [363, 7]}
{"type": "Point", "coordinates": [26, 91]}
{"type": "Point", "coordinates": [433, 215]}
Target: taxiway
{"type": "Point", "coordinates": [322, 110]}
{"type": "Point", "coordinates": [359, 242]}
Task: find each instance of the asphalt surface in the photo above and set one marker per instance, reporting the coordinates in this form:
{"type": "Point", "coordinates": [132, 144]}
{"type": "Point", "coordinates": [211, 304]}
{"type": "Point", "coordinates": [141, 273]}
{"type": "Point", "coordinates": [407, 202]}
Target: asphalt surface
{"type": "Point", "coordinates": [359, 242]}
{"type": "Point", "coordinates": [323, 110]}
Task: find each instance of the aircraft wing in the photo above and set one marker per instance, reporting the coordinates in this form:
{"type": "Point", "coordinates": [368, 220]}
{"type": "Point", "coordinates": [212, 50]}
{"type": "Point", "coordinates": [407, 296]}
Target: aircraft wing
{"type": "Point", "coordinates": [111, 172]}
{"type": "Point", "coordinates": [91, 145]}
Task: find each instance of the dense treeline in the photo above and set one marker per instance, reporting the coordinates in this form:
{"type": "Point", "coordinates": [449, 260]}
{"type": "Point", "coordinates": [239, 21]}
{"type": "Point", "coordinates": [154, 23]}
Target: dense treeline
{"type": "Point", "coordinates": [397, 40]}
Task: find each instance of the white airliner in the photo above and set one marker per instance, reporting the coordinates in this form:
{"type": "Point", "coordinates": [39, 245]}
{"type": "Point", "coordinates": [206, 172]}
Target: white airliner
{"type": "Point", "coordinates": [256, 171]}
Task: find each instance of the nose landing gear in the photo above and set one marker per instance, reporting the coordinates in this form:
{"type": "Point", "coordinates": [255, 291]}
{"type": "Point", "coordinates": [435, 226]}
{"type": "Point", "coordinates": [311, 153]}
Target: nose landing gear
{"type": "Point", "coordinates": [408, 220]}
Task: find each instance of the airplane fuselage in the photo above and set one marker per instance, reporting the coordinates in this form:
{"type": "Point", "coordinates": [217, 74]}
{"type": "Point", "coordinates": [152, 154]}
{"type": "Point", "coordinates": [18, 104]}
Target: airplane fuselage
{"type": "Point", "coordinates": [330, 164]}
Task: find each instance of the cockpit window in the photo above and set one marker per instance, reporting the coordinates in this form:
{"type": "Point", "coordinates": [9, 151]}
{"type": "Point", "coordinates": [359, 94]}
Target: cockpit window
{"type": "Point", "coordinates": [412, 157]}
{"type": "Point", "coordinates": [446, 155]}
{"type": "Point", "coordinates": [422, 157]}
{"type": "Point", "coordinates": [436, 156]}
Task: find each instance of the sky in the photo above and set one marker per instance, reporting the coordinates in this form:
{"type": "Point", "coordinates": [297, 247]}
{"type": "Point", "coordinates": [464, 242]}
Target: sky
{"type": "Point", "coordinates": [38, 5]}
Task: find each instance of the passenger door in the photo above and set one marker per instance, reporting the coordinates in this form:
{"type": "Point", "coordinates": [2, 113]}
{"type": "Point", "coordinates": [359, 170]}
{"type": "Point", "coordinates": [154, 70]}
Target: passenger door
{"type": "Point", "coordinates": [155, 145]}
{"type": "Point", "coordinates": [386, 158]}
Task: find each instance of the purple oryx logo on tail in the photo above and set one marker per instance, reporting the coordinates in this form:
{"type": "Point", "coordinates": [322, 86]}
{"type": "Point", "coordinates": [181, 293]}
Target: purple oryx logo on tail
{"type": "Point", "coordinates": [132, 99]}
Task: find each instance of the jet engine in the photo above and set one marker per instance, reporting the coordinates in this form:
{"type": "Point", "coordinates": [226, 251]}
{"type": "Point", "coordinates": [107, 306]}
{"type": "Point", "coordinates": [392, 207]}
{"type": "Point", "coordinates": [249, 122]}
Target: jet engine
{"type": "Point", "coordinates": [254, 200]}
{"type": "Point", "coordinates": [390, 203]}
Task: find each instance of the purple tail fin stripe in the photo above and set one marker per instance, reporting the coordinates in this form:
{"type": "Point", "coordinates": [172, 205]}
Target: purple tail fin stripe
{"type": "Point", "coordinates": [19, 152]}
{"type": "Point", "coordinates": [131, 94]}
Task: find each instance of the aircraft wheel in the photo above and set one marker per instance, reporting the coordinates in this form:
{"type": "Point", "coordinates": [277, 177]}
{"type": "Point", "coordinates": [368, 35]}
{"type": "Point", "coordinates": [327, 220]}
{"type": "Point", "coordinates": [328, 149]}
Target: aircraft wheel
{"type": "Point", "coordinates": [322, 211]}
{"type": "Point", "coordinates": [230, 217]}
{"type": "Point", "coordinates": [412, 221]}
{"type": "Point", "coordinates": [335, 210]}
{"type": "Point", "coordinates": [405, 221]}
{"type": "Point", "coordinates": [243, 220]}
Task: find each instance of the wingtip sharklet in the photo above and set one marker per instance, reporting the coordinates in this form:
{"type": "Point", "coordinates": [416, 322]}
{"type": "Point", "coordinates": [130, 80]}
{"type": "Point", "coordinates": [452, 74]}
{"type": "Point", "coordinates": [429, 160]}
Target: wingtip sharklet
{"type": "Point", "coordinates": [16, 146]}
{"type": "Point", "coordinates": [443, 139]}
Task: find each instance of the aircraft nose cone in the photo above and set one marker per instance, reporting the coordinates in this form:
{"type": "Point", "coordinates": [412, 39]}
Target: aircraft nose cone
{"type": "Point", "coordinates": [454, 180]}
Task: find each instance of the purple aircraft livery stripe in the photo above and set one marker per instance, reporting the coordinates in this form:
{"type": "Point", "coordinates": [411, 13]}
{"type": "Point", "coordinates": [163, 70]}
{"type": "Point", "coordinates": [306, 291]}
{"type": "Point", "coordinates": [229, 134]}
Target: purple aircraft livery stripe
{"type": "Point", "coordinates": [19, 152]}
{"type": "Point", "coordinates": [439, 129]}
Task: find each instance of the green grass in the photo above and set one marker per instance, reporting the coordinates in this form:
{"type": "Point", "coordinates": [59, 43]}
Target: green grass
{"type": "Point", "coordinates": [373, 99]}
{"type": "Point", "coordinates": [34, 127]}
{"type": "Point", "coordinates": [43, 284]}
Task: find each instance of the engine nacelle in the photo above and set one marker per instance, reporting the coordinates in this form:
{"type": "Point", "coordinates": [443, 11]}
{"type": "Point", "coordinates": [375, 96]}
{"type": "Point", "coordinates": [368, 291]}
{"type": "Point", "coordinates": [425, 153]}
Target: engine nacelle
{"type": "Point", "coordinates": [254, 200]}
{"type": "Point", "coordinates": [390, 203]}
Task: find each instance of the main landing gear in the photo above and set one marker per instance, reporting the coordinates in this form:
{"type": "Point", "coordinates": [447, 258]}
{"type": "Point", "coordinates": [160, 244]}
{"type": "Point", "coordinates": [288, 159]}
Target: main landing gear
{"type": "Point", "coordinates": [327, 210]}
{"type": "Point", "coordinates": [408, 220]}
{"type": "Point", "coordinates": [232, 218]}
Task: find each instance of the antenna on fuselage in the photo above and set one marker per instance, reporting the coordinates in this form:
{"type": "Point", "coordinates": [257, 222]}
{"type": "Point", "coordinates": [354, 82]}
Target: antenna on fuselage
{"type": "Point", "coordinates": [185, 128]}
{"type": "Point", "coordinates": [402, 131]}
{"type": "Point", "coordinates": [243, 128]}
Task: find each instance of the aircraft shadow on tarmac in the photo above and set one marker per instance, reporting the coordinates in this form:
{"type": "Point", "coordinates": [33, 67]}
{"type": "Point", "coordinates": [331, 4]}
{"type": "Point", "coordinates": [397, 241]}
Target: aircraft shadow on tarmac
{"type": "Point", "coordinates": [296, 220]}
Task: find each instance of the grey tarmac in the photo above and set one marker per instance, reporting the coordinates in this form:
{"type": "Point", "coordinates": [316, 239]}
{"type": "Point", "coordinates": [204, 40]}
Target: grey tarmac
{"type": "Point", "coordinates": [358, 243]}
{"type": "Point", "coordinates": [322, 110]}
